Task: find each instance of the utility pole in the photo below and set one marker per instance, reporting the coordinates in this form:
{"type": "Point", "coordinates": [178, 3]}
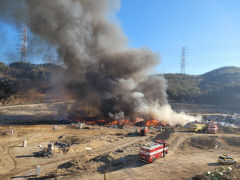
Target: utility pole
{"type": "Point", "coordinates": [183, 61]}
{"type": "Point", "coordinates": [23, 44]}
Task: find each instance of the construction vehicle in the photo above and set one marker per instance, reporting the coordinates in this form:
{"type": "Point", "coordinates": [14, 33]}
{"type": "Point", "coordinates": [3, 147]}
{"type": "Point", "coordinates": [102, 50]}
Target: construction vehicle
{"type": "Point", "coordinates": [225, 159]}
{"type": "Point", "coordinates": [212, 128]}
{"type": "Point", "coordinates": [153, 150]}
{"type": "Point", "coordinates": [143, 131]}
{"type": "Point", "coordinates": [198, 127]}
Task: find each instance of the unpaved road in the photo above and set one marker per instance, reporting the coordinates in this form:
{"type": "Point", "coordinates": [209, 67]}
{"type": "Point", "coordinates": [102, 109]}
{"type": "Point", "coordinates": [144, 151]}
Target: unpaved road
{"type": "Point", "coordinates": [178, 164]}
{"type": "Point", "coordinates": [182, 161]}
{"type": "Point", "coordinates": [18, 163]}
{"type": "Point", "coordinates": [50, 165]}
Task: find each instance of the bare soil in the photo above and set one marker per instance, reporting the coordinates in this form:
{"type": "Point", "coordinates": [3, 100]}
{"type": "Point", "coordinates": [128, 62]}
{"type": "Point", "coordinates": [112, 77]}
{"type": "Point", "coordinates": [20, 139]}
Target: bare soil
{"type": "Point", "coordinates": [88, 153]}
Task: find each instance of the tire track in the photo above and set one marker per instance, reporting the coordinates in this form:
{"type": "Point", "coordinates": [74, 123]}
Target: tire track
{"type": "Point", "coordinates": [14, 161]}
{"type": "Point", "coordinates": [9, 156]}
{"type": "Point", "coordinates": [48, 166]}
{"type": "Point", "coordinates": [10, 146]}
{"type": "Point", "coordinates": [173, 159]}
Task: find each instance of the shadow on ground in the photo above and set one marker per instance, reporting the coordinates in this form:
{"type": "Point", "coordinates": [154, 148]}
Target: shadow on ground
{"type": "Point", "coordinates": [214, 164]}
{"type": "Point", "coordinates": [129, 161]}
{"type": "Point", "coordinates": [18, 177]}
{"type": "Point", "coordinates": [24, 156]}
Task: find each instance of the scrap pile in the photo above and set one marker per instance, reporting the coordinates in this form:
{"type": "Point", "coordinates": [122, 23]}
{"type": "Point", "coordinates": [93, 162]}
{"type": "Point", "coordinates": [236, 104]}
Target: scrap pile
{"type": "Point", "coordinates": [226, 120]}
{"type": "Point", "coordinates": [45, 152]}
{"type": "Point", "coordinates": [222, 173]}
{"type": "Point", "coordinates": [48, 151]}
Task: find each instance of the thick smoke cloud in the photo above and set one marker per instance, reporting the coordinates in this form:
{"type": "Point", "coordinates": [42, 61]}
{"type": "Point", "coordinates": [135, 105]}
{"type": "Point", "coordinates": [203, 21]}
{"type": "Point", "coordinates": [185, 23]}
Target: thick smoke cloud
{"type": "Point", "coordinates": [102, 71]}
{"type": "Point", "coordinates": [13, 11]}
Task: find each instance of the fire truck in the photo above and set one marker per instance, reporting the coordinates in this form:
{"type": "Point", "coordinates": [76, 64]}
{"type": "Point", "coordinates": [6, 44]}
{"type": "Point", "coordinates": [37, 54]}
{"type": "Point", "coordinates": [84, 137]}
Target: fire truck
{"type": "Point", "coordinates": [143, 131]}
{"type": "Point", "coordinates": [197, 127]}
{"type": "Point", "coordinates": [212, 128]}
{"type": "Point", "coordinates": [153, 150]}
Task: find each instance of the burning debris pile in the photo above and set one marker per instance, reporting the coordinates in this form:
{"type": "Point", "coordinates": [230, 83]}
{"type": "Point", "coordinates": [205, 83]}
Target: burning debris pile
{"type": "Point", "coordinates": [101, 70]}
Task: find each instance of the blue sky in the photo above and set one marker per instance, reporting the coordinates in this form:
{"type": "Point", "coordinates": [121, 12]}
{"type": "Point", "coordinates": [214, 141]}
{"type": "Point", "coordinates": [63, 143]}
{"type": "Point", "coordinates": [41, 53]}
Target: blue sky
{"type": "Point", "coordinates": [209, 29]}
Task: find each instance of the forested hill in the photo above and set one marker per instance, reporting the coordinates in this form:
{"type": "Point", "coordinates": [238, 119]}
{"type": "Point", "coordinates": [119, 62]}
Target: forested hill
{"type": "Point", "coordinates": [29, 83]}
{"type": "Point", "coordinates": [22, 83]}
{"type": "Point", "coordinates": [218, 87]}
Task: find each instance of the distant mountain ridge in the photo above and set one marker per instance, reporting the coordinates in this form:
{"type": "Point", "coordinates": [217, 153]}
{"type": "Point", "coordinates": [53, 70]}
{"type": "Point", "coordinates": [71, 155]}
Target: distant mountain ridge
{"type": "Point", "coordinates": [220, 86]}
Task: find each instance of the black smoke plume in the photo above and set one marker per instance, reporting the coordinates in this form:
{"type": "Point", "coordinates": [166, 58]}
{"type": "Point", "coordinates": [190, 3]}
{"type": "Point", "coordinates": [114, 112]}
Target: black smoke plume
{"type": "Point", "coordinates": [102, 71]}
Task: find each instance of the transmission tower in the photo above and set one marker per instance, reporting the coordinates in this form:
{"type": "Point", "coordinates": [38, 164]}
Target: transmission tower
{"type": "Point", "coordinates": [23, 44]}
{"type": "Point", "coordinates": [183, 61]}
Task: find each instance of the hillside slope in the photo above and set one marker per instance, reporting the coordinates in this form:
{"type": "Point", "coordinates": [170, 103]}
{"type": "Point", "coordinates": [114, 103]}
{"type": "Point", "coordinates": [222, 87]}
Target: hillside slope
{"type": "Point", "coordinates": [22, 83]}
{"type": "Point", "coordinates": [218, 87]}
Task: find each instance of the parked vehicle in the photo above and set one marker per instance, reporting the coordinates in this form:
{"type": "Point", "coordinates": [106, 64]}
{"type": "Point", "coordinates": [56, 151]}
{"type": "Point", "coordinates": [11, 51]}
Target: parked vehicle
{"type": "Point", "coordinates": [197, 127]}
{"type": "Point", "coordinates": [212, 128]}
{"type": "Point", "coordinates": [225, 159]}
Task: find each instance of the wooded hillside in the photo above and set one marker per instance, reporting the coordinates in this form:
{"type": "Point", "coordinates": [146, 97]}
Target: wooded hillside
{"type": "Point", "coordinates": [219, 87]}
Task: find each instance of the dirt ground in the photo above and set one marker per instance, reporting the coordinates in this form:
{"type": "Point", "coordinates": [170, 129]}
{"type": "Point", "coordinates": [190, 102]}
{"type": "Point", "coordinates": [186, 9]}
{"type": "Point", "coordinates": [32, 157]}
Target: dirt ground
{"type": "Point", "coordinates": [87, 153]}
{"type": "Point", "coordinates": [90, 152]}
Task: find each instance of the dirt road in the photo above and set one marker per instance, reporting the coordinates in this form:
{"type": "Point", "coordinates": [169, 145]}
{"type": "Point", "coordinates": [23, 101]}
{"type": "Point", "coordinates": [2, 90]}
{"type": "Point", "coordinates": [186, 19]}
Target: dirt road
{"type": "Point", "coordinates": [189, 153]}
{"type": "Point", "coordinates": [181, 162]}
{"type": "Point", "coordinates": [18, 162]}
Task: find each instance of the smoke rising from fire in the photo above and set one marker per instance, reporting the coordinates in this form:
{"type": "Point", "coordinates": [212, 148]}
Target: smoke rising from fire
{"type": "Point", "coordinates": [102, 71]}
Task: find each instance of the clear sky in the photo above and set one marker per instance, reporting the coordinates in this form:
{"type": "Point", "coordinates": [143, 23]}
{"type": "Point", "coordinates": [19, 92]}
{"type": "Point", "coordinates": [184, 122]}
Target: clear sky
{"type": "Point", "coordinates": [209, 29]}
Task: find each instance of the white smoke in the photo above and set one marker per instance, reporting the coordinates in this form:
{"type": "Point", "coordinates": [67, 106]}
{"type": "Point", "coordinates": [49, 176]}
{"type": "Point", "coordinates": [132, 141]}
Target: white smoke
{"type": "Point", "coordinates": [165, 113]}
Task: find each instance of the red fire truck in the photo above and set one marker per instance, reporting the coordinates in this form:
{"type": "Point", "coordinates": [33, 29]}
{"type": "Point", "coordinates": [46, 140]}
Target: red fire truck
{"type": "Point", "coordinates": [212, 128]}
{"type": "Point", "coordinates": [143, 131]}
{"type": "Point", "coordinates": [153, 150]}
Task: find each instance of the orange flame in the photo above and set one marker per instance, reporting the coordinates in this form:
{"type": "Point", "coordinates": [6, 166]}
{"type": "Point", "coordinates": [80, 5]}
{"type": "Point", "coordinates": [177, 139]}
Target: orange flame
{"type": "Point", "coordinates": [155, 122]}
{"type": "Point", "coordinates": [105, 122]}
{"type": "Point", "coordinates": [119, 123]}
{"type": "Point", "coordinates": [124, 122]}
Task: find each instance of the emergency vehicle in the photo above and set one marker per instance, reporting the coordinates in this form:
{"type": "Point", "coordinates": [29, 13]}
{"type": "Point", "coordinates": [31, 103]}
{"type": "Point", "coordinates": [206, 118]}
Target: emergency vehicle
{"type": "Point", "coordinates": [153, 150]}
{"type": "Point", "coordinates": [212, 128]}
{"type": "Point", "coordinates": [197, 127]}
{"type": "Point", "coordinates": [143, 131]}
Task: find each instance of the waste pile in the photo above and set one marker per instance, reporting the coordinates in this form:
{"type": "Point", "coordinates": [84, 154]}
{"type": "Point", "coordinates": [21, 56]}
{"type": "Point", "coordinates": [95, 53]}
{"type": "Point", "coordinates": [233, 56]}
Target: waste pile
{"type": "Point", "coordinates": [45, 152]}
{"type": "Point", "coordinates": [226, 120]}
{"type": "Point", "coordinates": [221, 173]}
{"type": "Point", "coordinates": [50, 149]}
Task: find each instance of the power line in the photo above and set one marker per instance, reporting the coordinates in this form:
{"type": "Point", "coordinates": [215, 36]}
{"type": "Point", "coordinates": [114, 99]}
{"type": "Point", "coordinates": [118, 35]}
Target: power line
{"type": "Point", "coordinates": [183, 62]}
{"type": "Point", "coordinates": [23, 44]}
